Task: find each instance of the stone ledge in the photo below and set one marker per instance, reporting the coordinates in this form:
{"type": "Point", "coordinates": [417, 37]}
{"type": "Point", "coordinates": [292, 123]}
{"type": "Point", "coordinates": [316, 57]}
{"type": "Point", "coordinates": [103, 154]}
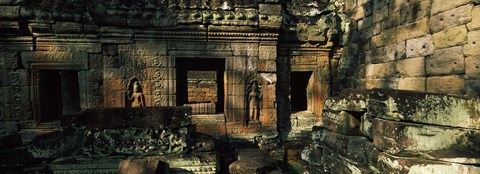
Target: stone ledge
{"type": "Point", "coordinates": [426, 141]}
{"type": "Point", "coordinates": [427, 108]}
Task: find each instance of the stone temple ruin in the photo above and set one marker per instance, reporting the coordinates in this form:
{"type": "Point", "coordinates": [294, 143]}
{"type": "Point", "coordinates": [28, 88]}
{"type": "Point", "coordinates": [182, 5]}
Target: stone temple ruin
{"type": "Point", "coordinates": [240, 86]}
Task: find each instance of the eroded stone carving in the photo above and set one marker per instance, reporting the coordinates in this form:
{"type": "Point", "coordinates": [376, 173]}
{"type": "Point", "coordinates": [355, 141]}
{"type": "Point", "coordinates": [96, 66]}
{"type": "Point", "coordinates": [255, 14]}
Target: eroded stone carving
{"type": "Point", "coordinates": [254, 98]}
{"type": "Point", "coordinates": [135, 94]}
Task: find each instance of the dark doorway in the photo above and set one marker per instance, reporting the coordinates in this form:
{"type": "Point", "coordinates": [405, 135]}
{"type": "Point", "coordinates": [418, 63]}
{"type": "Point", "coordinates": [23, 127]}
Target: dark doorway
{"type": "Point", "coordinates": [186, 66]}
{"type": "Point", "coordinates": [298, 90]}
{"type": "Point", "coordinates": [59, 94]}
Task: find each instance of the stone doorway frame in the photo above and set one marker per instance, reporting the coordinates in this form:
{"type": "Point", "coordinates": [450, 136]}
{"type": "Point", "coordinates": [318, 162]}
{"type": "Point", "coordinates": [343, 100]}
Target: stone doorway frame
{"type": "Point", "coordinates": [35, 89]}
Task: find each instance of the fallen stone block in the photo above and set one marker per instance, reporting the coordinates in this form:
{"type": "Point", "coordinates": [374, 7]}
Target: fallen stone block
{"type": "Point", "coordinates": [394, 164]}
{"type": "Point", "coordinates": [345, 104]}
{"type": "Point", "coordinates": [366, 126]}
{"type": "Point", "coordinates": [428, 108]}
{"type": "Point", "coordinates": [344, 122]}
{"type": "Point", "coordinates": [143, 166]}
{"type": "Point", "coordinates": [337, 164]}
{"type": "Point", "coordinates": [427, 141]}
{"type": "Point", "coordinates": [358, 148]}
{"type": "Point", "coordinates": [253, 161]}
{"type": "Point", "coordinates": [196, 162]}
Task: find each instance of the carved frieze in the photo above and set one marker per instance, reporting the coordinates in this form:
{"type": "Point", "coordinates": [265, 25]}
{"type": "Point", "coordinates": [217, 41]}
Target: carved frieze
{"type": "Point", "coordinates": [270, 22]}
{"type": "Point", "coordinates": [135, 141]}
{"type": "Point", "coordinates": [53, 57]}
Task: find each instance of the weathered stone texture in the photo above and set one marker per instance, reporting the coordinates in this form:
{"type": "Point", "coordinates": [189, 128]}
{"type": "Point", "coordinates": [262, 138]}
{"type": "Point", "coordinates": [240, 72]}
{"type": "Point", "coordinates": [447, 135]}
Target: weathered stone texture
{"type": "Point", "coordinates": [395, 51]}
{"type": "Point", "coordinates": [450, 37]}
{"type": "Point", "coordinates": [473, 44]}
{"type": "Point", "coordinates": [419, 46]}
{"type": "Point", "coordinates": [472, 87]}
{"type": "Point", "coordinates": [389, 163]}
{"type": "Point", "coordinates": [451, 18]}
{"type": "Point", "coordinates": [342, 122]}
{"type": "Point", "coordinates": [441, 6]}
{"type": "Point", "coordinates": [446, 62]}
{"type": "Point", "coordinates": [409, 138]}
{"type": "Point", "coordinates": [414, 11]}
{"type": "Point", "coordinates": [475, 24]}
{"type": "Point", "coordinates": [413, 67]}
{"type": "Point", "coordinates": [412, 83]}
{"type": "Point", "coordinates": [379, 71]}
{"type": "Point", "coordinates": [453, 84]}
{"type": "Point", "coordinates": [412, 30]}
{"type": "Point", "coordinates": [472, 68]}
{"type": "Point", "coordinates": [425, 108]}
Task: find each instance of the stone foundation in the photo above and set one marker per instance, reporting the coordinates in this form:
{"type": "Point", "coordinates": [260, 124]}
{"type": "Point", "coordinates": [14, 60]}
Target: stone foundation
{"type": "Point", "coordinates": [391, 131]}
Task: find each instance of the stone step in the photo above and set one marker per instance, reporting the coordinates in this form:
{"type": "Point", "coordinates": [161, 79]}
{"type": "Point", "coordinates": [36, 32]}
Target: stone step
{"type": "Point", "coordinates": [428, 141]}
{"type": "Point", "coordinates": [437, 109]}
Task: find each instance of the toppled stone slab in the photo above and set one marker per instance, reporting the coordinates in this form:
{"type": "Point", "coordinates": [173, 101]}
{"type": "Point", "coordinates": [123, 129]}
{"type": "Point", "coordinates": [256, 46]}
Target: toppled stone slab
{"type": "Point", "coordinates": [344, 122]}
{"type": "Point", "coordinates": [253, 161]}
{"type": "Point", "coordinates": [345, 104]}
{"type": "Point", "coordinates": [358, 148]}
{"type": "Point", "coordinates": [145, 117]}
{"type": "Point", "coordinates": [143, 166]}
{"type": "Point", "coordinates": [428, 108]}
{"type": "Point", "coordinates": [196, 162]}
{"type": "Point", "coordinates": [427, 141]}
{"type": "Point", "coordinates": [337, 164]}
{"type": "Point", "coordinates": [393, 164]}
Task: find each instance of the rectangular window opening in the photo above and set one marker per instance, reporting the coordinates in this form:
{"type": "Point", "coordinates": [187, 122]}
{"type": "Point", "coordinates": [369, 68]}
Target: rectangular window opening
{"type": "Point", "coordinates": [200, 84]}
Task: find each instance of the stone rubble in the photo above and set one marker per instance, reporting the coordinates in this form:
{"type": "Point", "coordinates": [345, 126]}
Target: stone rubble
{"type": "Point", "coordinates": [399, 132]}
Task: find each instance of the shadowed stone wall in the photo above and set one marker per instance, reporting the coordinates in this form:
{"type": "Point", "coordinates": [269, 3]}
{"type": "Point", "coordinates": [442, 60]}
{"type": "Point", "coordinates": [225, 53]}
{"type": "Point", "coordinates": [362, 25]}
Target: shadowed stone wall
{"type": "Point", "coordinates": [427, 46]}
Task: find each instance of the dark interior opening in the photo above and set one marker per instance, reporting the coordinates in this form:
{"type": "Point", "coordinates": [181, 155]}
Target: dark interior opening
{"type": "Point", "coordinates": [59, 94]}
{"type": "Point", "coordinates": [298, 90]}
{"type": "Point", "coordinates": [183, 65]}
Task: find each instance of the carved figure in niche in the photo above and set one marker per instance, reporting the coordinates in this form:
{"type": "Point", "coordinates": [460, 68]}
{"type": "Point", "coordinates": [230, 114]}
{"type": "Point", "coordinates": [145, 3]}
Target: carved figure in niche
{"type": "Point", "coordinates": [134, 94]}
{"type": "Point", "coordinates": [254, 101]}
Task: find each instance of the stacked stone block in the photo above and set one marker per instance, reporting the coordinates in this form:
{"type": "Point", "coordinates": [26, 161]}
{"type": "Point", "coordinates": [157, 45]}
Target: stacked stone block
{"type": "Point", "coordinates": [421, 45]}
{"type": "Point", "coordinates": [397, 132]}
